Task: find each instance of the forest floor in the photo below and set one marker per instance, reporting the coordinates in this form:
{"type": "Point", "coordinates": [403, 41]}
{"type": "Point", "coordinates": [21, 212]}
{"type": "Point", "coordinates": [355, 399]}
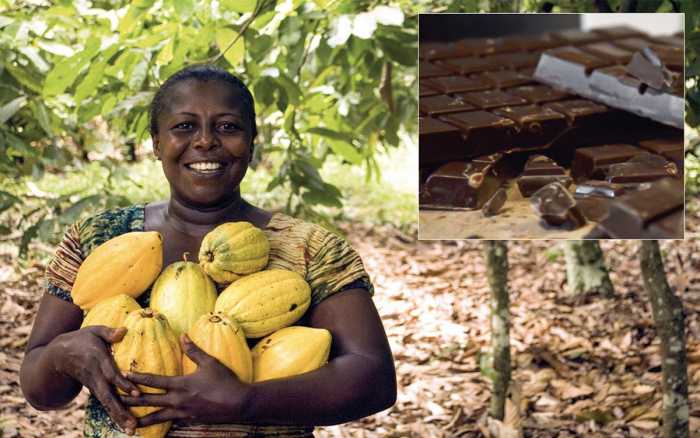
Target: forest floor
{"type": "Point", "coordinates": [581, 367]}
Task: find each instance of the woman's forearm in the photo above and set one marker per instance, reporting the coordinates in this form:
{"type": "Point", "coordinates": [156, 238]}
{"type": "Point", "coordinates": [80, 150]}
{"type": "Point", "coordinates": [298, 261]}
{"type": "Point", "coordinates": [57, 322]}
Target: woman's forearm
{"type": "Point", "coordinates": [347, 388]}
{"type": "Point", "coordinates": [43, 385]}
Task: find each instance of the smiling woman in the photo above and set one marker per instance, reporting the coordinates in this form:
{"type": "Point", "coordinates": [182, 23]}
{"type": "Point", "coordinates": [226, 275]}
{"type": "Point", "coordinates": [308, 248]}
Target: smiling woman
{"type": "Point", "coordinates": [203, 127]}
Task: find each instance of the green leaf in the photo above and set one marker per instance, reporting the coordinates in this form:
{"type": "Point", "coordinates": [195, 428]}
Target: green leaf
{"type": "Point", "coordinates": [66, 71]}
{"type": "Point", "coordinates": [10, 109]}
{"type": "Point", "coordinates": [404, 54]}
{"type": "Point", "coordinates": [26, 77]}
{"type": "Point", "coordinates": [325, 197]}
{"type": "Point", "coordinates": [240, 6]}
{"type": "Point", "coordinates": [234, 55]}
{"type": "Point", "coordinates": [291, 87]}
{"type": "Point", "coordinates": [346, 151]}
{"type": "Point", "coordinates": [29, 234]}
{"type": "Point", "coordinates": [331, 134]}
{"type": "Point", "coordinates": [42, 116]}
{"type": "Point", "coordinates": [183, 8]}
{"type": "Point", "coordinates": [138, 73]}
{"type": "Point", "coordinates": [92, 80]}
{"type": "Point", "coordinates": [7, 200]}
{"type": "Point", "coordinates": [166, 53]}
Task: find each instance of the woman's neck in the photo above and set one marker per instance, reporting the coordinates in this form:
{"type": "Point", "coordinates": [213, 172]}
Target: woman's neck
{"type": "Point", "coordinates": [198, 221]}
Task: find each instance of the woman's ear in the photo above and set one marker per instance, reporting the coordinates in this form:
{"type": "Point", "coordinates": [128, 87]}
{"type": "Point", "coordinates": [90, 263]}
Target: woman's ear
{"type": "Point", "coordinates": [156, 147]}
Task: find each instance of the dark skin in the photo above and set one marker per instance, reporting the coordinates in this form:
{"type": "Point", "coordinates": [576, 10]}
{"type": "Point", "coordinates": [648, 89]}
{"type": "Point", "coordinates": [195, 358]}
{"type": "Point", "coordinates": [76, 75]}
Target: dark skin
{"type": "Point", "coordinates": [203, 122]}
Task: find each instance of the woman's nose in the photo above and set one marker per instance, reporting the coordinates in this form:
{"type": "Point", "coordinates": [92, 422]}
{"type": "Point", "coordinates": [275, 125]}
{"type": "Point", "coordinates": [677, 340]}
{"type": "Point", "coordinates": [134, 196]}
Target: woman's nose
{"type": "Point", "coordinates": [205, 138]}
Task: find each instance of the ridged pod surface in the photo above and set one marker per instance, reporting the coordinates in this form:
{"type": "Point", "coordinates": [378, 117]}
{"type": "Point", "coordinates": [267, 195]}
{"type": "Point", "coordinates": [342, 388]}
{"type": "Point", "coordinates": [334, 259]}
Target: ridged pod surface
{"type": "Point", "coordinates": [111, 312]}
{"type": "Point", "coordinates": [233, 249]}
{"type": "Point", "coordinates": [149, 346]}
{"type": "Point", "coordinates": [126, 264]}
{"type": "Point", "coordinates": [266, 301]}
{"type": "Point", "coordinates": [289, 352]}
{"type": "Point", "coordinates": [183, 293]}
{"type": "Point", "coordinates": [222, 338]}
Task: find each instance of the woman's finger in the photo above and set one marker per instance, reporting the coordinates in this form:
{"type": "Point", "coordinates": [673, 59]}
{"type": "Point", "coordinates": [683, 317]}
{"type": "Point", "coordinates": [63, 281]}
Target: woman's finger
{"type": "Point", "coordinates": [161, 416]}
{"type": "Point", "coordinates": [108, 334]}
{"type": "Point", "coordinates": [192, 351]}
{"type": "Point", "coordinates": [115, 377]}
{"type": "Point", "coordinates": [163, 400]}
{"type": "Point", "coordinates": [154, 380]}
{"type": "Point", "coordinates": [112, 405]}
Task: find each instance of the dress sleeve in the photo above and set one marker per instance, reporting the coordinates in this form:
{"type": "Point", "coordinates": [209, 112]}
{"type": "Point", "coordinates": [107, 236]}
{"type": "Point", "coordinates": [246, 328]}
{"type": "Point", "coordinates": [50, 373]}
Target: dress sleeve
{"type": "Point", "coordinates": [333, 266]}
{"type": "Point", "coordinates": [63, 267]}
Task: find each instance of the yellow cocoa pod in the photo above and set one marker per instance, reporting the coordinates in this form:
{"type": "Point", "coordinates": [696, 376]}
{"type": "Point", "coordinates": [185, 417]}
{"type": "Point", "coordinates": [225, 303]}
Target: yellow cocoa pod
{"type": "Point", "coordinates": [222, 338]}
{"type": "Point", "coordinates": [266, 301]}
{"type": "Point", "coordinates": [233, 249]}
{"type": "Point", "coordinates": [183, 293]}
{"type": "Point", "coordinates": [149, 346]}
{"type": "Point", "coordinates": [111, 312]}
{"type": "Point", "coordinates": [126, 264]}
{"type": "Point", "coordinates": [289, 352]}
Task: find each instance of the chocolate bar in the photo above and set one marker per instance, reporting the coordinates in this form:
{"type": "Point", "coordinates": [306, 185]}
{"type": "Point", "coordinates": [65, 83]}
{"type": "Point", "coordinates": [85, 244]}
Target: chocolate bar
{"type": "Point", "coordinates": [603, 77]}
{"type": "Point", "coordinates": [540, 171]}
{"type": "Point", "coordinates": [495, 203]}
{"type": "Point", "coordinates": [481, 96]}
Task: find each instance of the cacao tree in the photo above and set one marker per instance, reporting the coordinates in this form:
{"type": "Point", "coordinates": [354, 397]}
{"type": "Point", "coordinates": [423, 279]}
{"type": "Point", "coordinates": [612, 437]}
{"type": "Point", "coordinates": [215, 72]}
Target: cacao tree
{"type": "Point", "coordinates": [496, 257]}
{"type": "Point", "coordinates": [585, 269]}
{"type": "Point", "coordinates": [667, 309]}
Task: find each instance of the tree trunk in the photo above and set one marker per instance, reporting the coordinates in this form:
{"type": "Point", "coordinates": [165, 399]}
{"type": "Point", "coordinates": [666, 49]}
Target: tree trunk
{"type": "Point", "coordinates": [668, 319]}
{"type": "Point", "coordinates": [585, 269]}
{"type": "Point", "coordinates": [497, 270]}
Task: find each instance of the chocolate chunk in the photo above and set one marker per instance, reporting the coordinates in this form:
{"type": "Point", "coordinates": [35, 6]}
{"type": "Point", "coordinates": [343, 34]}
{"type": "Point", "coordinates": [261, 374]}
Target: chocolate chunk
{"type": "Point", "coordinates": [609, 51]}
{"type": "Point", "coordinates": [492, 98]}
{"type": "Point", "coordinates": [505, 78]}
{"type": "Point", "coordinates": [539, 172]}
{"type": "Point", "coordinates": [495, 203]}
{"type": "Point", "coordinates": [429, 70]}
{"type": "Point", "coordinates": [641, 168]}
{"type": "Point", "coordinates": [593, 162]}
{"type": "Point", "coordinates": [655, 213]}
{"type": "Point", "coordinates": [555, 205]}
{"type": "Point", "coordinates": [462, 185]}
{"type": "Point", "coordinates": [593, 208]}
{"type": "Point", "coordinates": [647, 67]}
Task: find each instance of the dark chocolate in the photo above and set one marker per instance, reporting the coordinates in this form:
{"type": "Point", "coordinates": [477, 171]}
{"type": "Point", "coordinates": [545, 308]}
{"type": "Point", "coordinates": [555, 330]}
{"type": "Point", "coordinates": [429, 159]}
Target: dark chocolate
{"type": "Point", "coordinates": [438, 105]}
{"type": "Point", "coordinates": [540, 171]}
{"type": "Point", "coordinates": [644, 167]}
{"type": "Point", "coordinates": [495, 203]}
{"type": "Point", "coordinates": [555, 205]}
{"type": "Point", "coordinates": [462, 185]}
{"type": "Point", "coordinates": [655, 213]}
{"type": "Point", "coordinates": [593, 162]}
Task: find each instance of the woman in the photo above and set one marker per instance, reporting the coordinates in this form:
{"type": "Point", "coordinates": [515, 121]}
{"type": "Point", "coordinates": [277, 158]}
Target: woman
{"type": "Point", "coordinates": [203, 127]}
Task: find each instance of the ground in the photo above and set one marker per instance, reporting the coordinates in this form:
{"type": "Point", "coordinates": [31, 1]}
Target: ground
{"type": "Point", "coordinates": [586, 367]}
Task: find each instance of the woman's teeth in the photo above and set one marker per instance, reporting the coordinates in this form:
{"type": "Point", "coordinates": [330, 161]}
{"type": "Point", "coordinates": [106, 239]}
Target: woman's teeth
{"type": "Point", "coordinates": [206, 166]}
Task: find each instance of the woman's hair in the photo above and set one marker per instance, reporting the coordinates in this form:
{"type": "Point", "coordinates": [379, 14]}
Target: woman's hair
{"type": "Point", "coordinates": [203, 72]}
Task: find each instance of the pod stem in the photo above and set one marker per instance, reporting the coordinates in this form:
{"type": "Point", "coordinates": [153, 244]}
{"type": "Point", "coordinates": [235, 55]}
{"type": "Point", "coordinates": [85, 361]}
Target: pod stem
{"type": "Point", "coordinates": [184, 255]}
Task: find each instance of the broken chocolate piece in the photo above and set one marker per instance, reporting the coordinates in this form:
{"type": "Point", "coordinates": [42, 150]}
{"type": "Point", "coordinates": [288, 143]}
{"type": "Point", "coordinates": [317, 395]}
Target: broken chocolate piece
{"type": "Point", "coordinates": [655, 213]}
{"type": "Point", "coordinates": [593, 162]}
{"type": "Point", "coordinates": [495, 203]}
{"type": "Point", "coordinates": [647, 67]}
{"type": "Point", "coordinates": [641, 168]}
{"type": "Point", "coordinates": [460, 185]}
{"type": "Point", "coordinates": [555, 205]}
{"type": "Point", "coordinates": [540, 171]}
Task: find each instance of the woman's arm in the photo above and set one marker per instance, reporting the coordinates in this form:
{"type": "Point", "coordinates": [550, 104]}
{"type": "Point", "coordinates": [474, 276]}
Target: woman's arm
{"type": "Point", "coordinates": [60, 359]}
{"type": "Point", "coordinates": [359, 379]}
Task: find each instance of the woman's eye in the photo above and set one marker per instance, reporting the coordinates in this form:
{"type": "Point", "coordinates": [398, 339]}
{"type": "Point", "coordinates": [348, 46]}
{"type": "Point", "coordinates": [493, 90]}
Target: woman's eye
{"type": "Point", "coordinates": [183, 125]}
{"type": "Point", "coordinates": [229, 127]}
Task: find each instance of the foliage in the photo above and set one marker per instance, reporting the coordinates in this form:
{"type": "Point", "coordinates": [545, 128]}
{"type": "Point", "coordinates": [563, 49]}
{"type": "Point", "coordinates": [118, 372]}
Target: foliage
{"type": "Point", "coordinates": [330, 78]}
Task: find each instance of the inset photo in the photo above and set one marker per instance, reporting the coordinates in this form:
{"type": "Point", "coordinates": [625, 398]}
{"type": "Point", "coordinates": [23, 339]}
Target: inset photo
{"type": "Point", "coordinates": [551, 126]}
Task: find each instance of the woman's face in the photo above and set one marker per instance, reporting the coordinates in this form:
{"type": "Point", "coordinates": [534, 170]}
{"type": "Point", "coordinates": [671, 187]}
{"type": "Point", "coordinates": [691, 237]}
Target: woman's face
{"type": "Point", "coordinates": [204, 142]}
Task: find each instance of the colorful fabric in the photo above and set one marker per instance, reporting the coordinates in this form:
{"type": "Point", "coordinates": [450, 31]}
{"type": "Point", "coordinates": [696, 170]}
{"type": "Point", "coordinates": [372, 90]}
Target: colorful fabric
{"type": "Point", "coordinates": [325, 260]}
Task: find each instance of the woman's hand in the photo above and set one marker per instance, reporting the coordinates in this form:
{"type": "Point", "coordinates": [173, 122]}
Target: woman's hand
{"type": "Point", "coordinates": [84, 355]}
{"type": "Point", "coordinates": [212, 394]}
